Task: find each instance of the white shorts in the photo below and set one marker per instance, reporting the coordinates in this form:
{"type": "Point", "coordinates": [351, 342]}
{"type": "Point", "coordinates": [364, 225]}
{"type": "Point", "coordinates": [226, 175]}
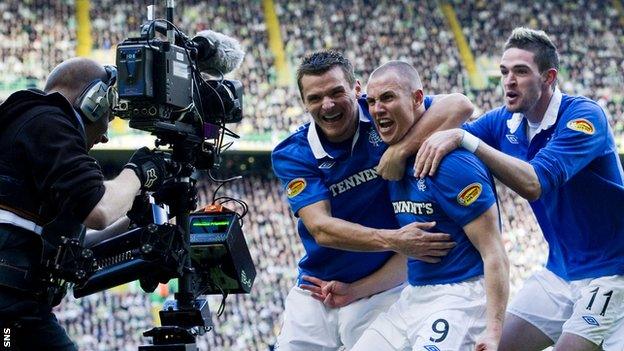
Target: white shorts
{"type": "Point", "coordinates": [431, 317]}
{"type": "Point", "coordinates": [591, 308]}
{"type": "Point", "coordinates": [309, 325]}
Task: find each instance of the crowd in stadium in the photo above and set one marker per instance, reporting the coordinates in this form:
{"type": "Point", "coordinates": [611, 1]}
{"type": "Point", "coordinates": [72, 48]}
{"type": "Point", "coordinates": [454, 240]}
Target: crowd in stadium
{"type": "Point", "coordinates": [39, 34]}
{"type": "Point", "coordinates": [36, 39]}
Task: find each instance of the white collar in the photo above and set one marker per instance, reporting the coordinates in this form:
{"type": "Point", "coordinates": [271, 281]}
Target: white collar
{"type": "Point", "coordinates": [550, 116]}
{"type": "Point", "coordinates": [315, 142]}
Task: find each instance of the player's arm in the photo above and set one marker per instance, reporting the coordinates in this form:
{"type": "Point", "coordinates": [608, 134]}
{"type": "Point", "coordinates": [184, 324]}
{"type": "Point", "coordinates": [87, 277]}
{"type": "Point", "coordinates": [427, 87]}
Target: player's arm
{"type": "Point", "coordinates": [446, 111]}
{"type": "Point", "coordinates": [485, 235]}
{"type": "Point", "coordinates": [336, 294]}
{"type": "Point", "coordinates": [465, 192]}
{"type": "Point", "coordinates": [518, 175]}
{"type": "Point", "coordinates": [308, 197]}
{"type": "Point", "coordinates": [571, 149]}
{"type": "Point", "coordinates": [515, 173]}
{"type": "Point", "coordinates": [411, 240]}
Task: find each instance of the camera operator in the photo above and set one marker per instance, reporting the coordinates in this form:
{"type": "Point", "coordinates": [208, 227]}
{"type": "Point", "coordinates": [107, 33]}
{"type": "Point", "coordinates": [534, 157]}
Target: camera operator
{"type": "Point", "coordinates": [47, 174]}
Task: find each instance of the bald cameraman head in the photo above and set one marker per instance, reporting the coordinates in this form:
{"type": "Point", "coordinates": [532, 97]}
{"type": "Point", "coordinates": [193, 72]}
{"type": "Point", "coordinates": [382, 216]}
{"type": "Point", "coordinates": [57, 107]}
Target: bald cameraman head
{"type": "Point", "coordinates": [70, 78]}
{"type": "Point", "coordinates": [47, 176]}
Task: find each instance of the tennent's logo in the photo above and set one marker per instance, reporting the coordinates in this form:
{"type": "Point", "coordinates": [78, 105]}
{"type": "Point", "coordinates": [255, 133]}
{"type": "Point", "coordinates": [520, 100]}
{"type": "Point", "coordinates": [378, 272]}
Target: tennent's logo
{"type": "Point", "coordinates": [469, 194]}
{"type": "Point", "coordinates": [295, 187]}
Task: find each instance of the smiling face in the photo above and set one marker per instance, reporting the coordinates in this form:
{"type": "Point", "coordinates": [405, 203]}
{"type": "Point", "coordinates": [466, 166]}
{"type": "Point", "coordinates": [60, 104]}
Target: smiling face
{"type": "Point", "coordinates": [392, 105]}
{"type": "Point", "coordinates": [332, 103]}
{"type": "Point", "coordinates": [523, 84]}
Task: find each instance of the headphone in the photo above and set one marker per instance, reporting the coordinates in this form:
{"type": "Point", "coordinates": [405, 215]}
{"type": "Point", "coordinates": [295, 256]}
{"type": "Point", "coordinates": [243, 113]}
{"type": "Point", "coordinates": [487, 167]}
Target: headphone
{"type": "Point", "coordinates": [98, 97]}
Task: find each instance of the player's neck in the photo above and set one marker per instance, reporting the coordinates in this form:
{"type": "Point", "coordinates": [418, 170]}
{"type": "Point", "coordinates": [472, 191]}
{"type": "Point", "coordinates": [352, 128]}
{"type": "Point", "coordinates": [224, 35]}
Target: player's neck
{"type": "Point", "coordinates": [537, 112]}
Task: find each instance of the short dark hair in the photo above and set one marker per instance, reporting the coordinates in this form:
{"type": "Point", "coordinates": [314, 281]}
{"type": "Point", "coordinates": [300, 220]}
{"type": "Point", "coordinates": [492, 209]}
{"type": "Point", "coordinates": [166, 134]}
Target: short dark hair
{"type": "Point", "coordinates": [407, 73]}
{"type": "Point", "coordinates": [537, 42]}
{"type": "Point", "coordinates": [320, 62]}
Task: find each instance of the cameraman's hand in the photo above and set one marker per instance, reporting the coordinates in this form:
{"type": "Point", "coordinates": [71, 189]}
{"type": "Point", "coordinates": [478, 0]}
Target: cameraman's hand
{"type": "Point", "coordinates": [141, 212]}
{"type": "Point", "coordinates": [149, 167]}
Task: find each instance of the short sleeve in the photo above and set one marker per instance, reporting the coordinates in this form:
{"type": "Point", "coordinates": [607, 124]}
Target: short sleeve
{"type": "Point", "coordinates": [301, 180]}
{"type": "Point", "coordinates": [463, 187]}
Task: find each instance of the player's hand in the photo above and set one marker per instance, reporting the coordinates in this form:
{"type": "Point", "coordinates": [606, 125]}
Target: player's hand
{"type": "Point", "coordinates": [487, 342]}
{"type": "Point", "coordinates": [332, 294]}
{"type": "Point", "coordinates": [433, 150]}
{"type": "Point", "coordinates": [392, 163]}
{"type": "Point", "coordinates": [413, 240]}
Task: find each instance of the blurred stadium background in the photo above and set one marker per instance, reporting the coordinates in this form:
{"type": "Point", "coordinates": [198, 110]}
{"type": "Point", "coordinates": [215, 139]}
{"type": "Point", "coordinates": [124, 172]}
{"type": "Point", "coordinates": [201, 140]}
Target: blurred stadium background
{"type": "Point", "coordinates": [454, 44]}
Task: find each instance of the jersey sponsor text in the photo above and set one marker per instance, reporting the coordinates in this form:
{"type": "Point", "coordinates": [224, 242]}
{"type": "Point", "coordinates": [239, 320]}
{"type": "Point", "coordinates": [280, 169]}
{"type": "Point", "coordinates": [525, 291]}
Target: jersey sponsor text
{"type": "Point", "coordinates": [353, 180]}
{"type": "Point", "coordinates": [417, 208]}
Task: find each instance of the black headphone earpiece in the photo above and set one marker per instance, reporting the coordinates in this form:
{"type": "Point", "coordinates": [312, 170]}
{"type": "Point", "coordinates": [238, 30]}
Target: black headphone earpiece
{"type": "Point", "coordinates": [98, 97]}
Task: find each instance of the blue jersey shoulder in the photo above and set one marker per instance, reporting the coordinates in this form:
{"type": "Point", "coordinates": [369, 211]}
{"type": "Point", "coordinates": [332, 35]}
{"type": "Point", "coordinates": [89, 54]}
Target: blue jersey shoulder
{"type": "Point", "coordinates": [295, 146]}
{"type": "Point", "coordinates": [459, 164]}
{"type": "Point", "coordinates": [463, 186]}
{"type": "Point", "coordinates": [296, 138]}
{"type": "Point", "coordinates": [489, 126]}
{"type": "Point", "coordinates": [575, 107]}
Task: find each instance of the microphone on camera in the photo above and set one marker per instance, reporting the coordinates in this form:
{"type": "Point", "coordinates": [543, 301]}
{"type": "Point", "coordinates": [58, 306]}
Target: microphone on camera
{"type": "Point", "coordinates": [217, 53]}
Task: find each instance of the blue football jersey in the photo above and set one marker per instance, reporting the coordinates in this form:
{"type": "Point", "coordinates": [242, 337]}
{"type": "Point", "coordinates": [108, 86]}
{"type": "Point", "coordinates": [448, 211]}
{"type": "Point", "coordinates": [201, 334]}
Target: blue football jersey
{"type": "Point", "coordinates": [312, 169]}
{"type": "Point", "coordinates": [459, 192]}
{"type": "Point", "coordinates": [580, 210]}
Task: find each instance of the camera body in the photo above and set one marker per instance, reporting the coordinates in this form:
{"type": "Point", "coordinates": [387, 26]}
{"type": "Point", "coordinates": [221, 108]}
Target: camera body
{"type": "Point", "coordinates": [162, 91]}
{"type": "Point", "coordinates": [153, 77]}
{"type": "Point", "coordinates": [159, 81]}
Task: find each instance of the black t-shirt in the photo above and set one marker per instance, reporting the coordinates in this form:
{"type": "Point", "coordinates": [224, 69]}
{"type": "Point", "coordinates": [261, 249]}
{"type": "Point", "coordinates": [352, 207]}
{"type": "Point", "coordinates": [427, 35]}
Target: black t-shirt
{"type": "Point", "coordinates": [45, 155]}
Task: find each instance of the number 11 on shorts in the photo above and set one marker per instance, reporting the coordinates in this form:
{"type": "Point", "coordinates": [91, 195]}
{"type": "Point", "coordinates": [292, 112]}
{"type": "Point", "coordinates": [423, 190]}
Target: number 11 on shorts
{"type": "Point", "coordinates": [593, 298]}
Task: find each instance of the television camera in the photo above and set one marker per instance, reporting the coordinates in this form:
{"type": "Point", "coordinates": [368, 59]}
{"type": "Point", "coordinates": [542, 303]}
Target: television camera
{"type": "Point", "coordinates": [173, 88]}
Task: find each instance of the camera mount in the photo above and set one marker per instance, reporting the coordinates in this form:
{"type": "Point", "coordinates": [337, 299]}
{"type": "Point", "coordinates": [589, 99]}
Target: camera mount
{"type": "Point", "coordinates": [162, 91]}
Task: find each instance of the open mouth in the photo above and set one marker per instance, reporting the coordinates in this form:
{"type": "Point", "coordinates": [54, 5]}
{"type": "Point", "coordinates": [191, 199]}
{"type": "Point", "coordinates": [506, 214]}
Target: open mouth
{"type": "Point", "coordinates": [511, 95]}
{"type": "Point", "coordinates": [331, 118]}
{"type": "Point", "coordinates": [384, 124]}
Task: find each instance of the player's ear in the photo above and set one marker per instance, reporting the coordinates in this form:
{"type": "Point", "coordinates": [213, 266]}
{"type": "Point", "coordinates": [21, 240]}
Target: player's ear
{"type": "Point", "coordinates": [550, 76]}
{"type": "Point", "coordinates": [358, 89]}
{"type": "Point", "coordinates": [417, 98]}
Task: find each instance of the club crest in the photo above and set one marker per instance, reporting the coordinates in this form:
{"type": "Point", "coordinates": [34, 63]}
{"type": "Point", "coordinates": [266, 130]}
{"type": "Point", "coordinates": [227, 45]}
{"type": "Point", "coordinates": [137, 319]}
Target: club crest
{"type": "Point", "coordinates": [374, 138]}
{"type": "Point", "coordinates": [421, 184]}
